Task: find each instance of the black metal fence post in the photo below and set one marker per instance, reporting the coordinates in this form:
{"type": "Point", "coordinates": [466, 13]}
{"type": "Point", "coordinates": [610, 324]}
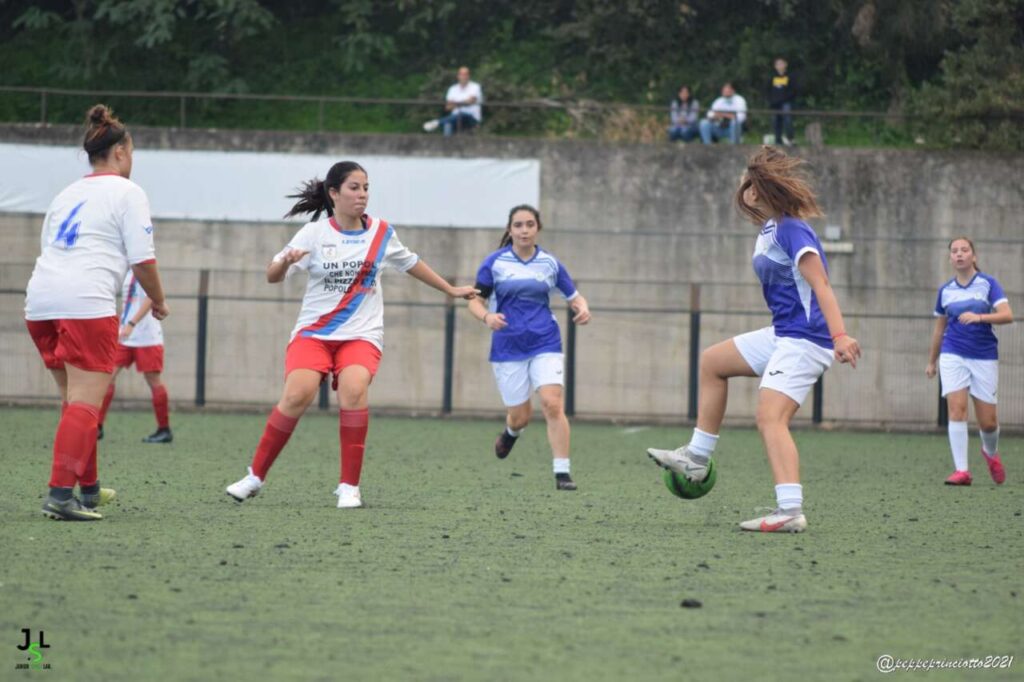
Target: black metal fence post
{"type": "Point", "coordinates": [201, 331]}
{"type": "Point", "coordinates": [570, 366]}
{"type": "Point", "coordinates": [42, 107]}
{"type": "Point", "coordinates": [694, 379]}
{"type": "Point", "coordinates": [449, 355]}
{"type": "Point", "coordinates": [943, 408]}
{"type": "Point", "coordinates": [325, 397]}
{"type": "Point", "coordinates": [818, 399]}
{"type": "Point", "coordinates": [181, 112]}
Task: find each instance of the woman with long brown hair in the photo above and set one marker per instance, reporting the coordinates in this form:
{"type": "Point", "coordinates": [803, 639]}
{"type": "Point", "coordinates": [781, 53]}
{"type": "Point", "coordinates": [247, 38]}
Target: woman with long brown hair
{"type": "Point", "coordinates": [526, 346]}
{"type": "Point", "coordinates": [807, 331]}
{"type": "Point", "coordinates": [968, 356]}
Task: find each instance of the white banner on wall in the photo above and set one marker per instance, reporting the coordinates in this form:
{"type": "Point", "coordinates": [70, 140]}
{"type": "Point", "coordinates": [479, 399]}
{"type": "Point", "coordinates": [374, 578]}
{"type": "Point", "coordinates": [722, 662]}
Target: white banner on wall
{"type": "Point", "coordinates": [252, 186]}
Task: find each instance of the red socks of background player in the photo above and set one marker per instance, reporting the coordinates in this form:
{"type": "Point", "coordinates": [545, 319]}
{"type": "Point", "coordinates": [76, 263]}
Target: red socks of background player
{"type": "Point", "coordinates": [160, 407]}
{"type": "Point", "coordinates": [352, 429]}
{"type": "Point", "coordinates": [74, 445]}
{"type": "Point", "coordinates": [275, 435]}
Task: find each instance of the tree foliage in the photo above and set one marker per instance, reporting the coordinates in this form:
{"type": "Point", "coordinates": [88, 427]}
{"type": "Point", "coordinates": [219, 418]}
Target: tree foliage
{"type": "Point", "coordinates": [952, 62]}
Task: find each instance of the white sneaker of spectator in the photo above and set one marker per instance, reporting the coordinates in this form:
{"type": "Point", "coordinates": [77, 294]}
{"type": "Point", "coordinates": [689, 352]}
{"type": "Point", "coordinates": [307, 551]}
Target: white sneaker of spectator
{"type": "Point", "coordinates": [431, 125]}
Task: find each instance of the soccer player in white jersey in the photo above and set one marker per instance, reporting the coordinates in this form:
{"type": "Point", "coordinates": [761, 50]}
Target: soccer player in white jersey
{"type": "Point", "coordinates": [968, 356]}
{"type": "Point", "coordinates": [526, 347]}
{"type": "Point", "coordinates": [141, 342]}
{"type": "Point", "coordinates": [94, 230]}
{"type": "Point", "coordinates": [340, 330]}
{"type": "Point", "coordinates": [789, 356]}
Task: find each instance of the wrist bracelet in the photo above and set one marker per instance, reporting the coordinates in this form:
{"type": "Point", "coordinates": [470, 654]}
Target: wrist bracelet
{"type": "Point", "coordinates": [840, 334]}
{"type": "Point", "coordinates": [131, 323]}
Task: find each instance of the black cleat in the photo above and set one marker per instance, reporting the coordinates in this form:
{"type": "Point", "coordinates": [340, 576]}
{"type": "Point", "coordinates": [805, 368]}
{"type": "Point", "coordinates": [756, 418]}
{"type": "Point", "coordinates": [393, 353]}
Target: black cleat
{"type": "Point", "coordinates": [68, 510]}
{"type": "Point", "coordinates": [504, 444]}
{"type": "Point", "coordinates": [564, 482]}
{"type": "Point", "coordinates": [159, 436]}
{"type": "Point", "coordinates": [99, 432]}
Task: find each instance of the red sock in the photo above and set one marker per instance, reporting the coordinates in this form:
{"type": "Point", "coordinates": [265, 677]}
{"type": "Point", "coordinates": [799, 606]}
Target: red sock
{"type": "Point", "coordinates": [352, 429]}
{"type": "Point", "coordinates": [73, 444]}
{"type": "Point", "coordinates": [90, 475]}
{"type": "Point", "coordinates": [106, 402]}
{"type": "Point", "coordinates": [275, 435]}
{"type": "Point", "coordinates": [160, 407]}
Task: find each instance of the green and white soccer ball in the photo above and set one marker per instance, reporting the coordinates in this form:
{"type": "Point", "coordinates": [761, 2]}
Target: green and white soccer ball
{"type": "Point", "coordinates": [680, 486]}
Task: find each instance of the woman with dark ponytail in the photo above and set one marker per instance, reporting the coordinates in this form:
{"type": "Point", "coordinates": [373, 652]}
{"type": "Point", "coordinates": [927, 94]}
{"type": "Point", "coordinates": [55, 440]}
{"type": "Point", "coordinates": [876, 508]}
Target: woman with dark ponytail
{"type": "Point", "coordinates": [340, 330]}
{"type": "Point", "coordinates": [807, 332]}
{"type": "Point", "coordinates": [526, 347]}
{"type": "Point", "coordinates": [94, 231]}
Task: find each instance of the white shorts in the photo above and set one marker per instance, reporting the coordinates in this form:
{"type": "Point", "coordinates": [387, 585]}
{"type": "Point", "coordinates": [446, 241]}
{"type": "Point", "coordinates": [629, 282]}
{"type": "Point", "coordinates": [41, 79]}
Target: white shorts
{"type": "Point", "coordinates": [980, 376]}
{"type": "Point", "coordinates": [519, 378]}
{"type": "Point", "coordinates": [787, 365]}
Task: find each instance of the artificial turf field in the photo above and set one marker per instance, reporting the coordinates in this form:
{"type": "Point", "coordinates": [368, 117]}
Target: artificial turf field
{"type": "Point", "coordinates": [464, 567]}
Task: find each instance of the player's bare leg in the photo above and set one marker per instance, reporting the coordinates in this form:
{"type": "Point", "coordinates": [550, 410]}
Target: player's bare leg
{"type": "Point", "coordinates": [718, 364]}
{"type": "Point", "coordinates": [775, 410]}
{"type": "Point", "coordinates": [516, 419]}
{"type": "Point", "coordinates": [553, 405]}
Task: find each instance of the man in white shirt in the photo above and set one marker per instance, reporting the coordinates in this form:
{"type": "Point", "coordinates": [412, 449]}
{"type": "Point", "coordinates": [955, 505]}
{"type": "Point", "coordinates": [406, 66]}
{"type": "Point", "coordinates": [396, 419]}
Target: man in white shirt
{"type": "Point", "coordinates": [462, 104]}
{"type": "Point", "coordinates": [725, 118]}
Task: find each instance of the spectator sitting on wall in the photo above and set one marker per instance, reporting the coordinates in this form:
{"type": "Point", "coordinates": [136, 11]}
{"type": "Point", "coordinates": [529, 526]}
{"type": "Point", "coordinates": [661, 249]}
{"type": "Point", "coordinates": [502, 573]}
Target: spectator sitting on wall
{"type": "Point", "coordinates": [781, 97]}
{"type": "Point", "coordinates": [684, 112]}
{"type": "Point", "coordinates": [725, 118]}
{"type": "Point", "coordinates": [463, 106]}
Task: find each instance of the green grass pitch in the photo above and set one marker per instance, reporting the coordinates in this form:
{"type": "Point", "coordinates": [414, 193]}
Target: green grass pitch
{"type": "Point", "coordinates": [464, 567]}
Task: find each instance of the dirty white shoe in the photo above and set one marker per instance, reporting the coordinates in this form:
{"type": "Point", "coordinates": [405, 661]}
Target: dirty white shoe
{"type": "Point", "coordinates": [680, 461]}
{"type": "Point", "coordinates": [348, 496]}
{"type": "Point", "coordinates": [245, 488]}
{"type": "Point", "coordinates": [778, 521]}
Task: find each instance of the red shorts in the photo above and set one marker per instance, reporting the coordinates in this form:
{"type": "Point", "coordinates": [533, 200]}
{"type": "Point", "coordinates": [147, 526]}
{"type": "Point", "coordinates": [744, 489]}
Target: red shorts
{"type": "Point", "coordinates": [330, 357]}
{"type": "Point", "coordinates": [146, 358]}
{"type": "Point", "coordinates": [85, 344]}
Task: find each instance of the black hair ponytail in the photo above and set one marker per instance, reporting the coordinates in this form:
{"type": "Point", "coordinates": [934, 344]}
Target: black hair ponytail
{"type": "Point", "coordinates": [313, 196]}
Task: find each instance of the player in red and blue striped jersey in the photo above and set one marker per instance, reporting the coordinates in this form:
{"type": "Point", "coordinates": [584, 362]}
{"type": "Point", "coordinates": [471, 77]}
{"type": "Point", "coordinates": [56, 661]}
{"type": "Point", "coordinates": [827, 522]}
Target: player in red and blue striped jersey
{"type": "Point", "coordinates": [526, 347]}
{"type": "Point", "coordinates": [340, 330]}
{"type": "Point", "coordinates": [968, 356]}
{"type": "Point", "coordinates": [807, 331]}
{"type": "Point", "coordinates": [94, 231]}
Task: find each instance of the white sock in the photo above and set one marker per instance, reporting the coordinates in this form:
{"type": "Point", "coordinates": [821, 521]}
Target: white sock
{"type": "Point", "coordinates": [347, 488]}
{"type": "Point", "coordinates": [958, 444]}
{"type": "Point", "coordinates": [514, 434]}
{"type": "Point", "coordinates": [561, 465]}
{"type": "Point", "coordinates": [990, 441]}
{"type": "Point", "coordinates": [703, 443]}
{"type": "Point", "coordinates": [789, 496]}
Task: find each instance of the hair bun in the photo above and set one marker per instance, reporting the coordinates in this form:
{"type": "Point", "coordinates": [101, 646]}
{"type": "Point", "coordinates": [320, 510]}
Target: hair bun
{"type": "Point", "coordinates": [99, 114]}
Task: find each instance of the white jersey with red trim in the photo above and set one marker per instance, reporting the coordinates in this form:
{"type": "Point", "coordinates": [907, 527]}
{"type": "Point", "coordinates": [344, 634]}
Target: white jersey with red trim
{"type": "Point", "coordinates": [93, 231]}
{"type": "Point", "coordinates": [147, 331]}
{"type": "Point", "coordinates": [344, 298]}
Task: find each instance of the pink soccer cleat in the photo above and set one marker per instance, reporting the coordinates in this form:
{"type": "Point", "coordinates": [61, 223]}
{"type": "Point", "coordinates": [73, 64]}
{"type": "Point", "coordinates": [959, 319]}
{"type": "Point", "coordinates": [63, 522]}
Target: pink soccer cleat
{"type": "Point", "coordinates": [959, 478]}
{"type": "Point", "coordinates": [995, 467]}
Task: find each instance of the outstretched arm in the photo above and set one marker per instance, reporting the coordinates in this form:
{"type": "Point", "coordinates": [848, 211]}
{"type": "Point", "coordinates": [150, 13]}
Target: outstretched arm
{"type": "Point", "coordinates": [425, 274]}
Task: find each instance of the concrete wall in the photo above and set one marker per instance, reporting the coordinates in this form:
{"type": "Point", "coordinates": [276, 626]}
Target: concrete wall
{"type": "Point", "coordinates": [635, 224]}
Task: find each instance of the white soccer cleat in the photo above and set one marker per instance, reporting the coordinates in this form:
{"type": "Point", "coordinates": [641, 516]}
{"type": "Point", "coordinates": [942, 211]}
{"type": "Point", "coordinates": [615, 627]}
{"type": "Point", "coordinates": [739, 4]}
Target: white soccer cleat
{"type": "Point", "coordinates": [348, 496]}
{"type": "Point", "coordinates": [431, 125]}
{"type": "Point", "coordinates": [778, 521]}
{"type": "Point", "coordinates": [245, 488]}
{"type": "Point", "coordinates": [679, 461]}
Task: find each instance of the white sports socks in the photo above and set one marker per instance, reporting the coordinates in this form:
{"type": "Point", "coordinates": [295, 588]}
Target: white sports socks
{"type": "Point", "coordinates": [958, 444]}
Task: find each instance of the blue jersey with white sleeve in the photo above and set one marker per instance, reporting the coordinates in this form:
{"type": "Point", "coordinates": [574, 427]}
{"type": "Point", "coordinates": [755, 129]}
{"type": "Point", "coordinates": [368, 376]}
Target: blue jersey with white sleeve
{"type": "Point", "coordinates": [981, 295]}
{"type": "Point", "coordinates": [795, 312]}
{"type": "Point", "coordinates": [520, 290]}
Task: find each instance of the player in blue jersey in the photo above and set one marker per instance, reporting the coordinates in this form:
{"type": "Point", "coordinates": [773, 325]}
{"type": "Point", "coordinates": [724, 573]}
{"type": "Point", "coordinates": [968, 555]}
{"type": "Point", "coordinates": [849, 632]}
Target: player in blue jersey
{"type": "Point", "coordinates": [968, 356]}
{"type": "Point", "coordinates": [807, 331]}
{"type": "Point", "coordinates": [526, 347]}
